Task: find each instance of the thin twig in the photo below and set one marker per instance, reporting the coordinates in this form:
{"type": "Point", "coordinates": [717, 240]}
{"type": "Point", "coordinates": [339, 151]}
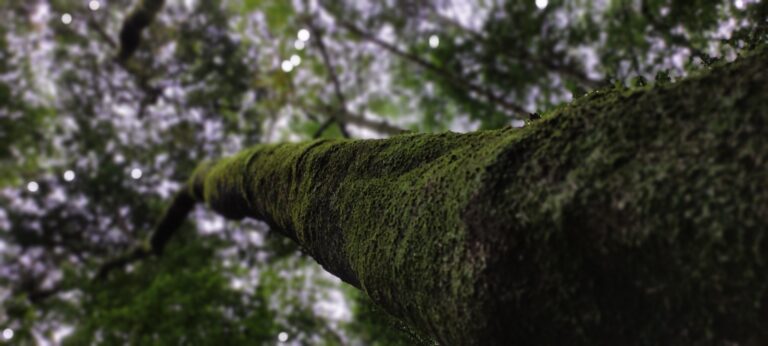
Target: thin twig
{"type": "Point", "coordinates": [135, 254]}
{"type": "Point", "coordinates": [102, 33]}
{"type": "Point", "coordinates": [359, 120]}
{"type": "Point", "coordinates": [327, 123]}
{"type": "Point", "coordinates": [522, 55]}
{"type": "Point", "coordinates": [663, 29]}
{"type": "Point", "coordinates": [331, 74]}
{"type": "Point", "coordinates": [450, 77]}
{"type": "Point", "coordinates": [151, 93]}
{"type": "Point", "coordinates": [172, 218]}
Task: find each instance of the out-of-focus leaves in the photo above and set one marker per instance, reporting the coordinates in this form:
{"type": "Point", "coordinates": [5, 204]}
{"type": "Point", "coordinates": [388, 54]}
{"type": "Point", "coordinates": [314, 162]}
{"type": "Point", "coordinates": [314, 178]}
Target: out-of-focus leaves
{"type": "Point", "coordinates": [278, 13]}
{"type": "Point", "coordinates": [154, 305]}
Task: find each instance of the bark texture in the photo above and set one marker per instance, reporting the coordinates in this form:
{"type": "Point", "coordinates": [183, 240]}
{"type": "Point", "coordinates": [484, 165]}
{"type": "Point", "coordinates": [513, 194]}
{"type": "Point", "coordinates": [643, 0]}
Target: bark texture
{"type": "Point", "coordinates": [627, 217]}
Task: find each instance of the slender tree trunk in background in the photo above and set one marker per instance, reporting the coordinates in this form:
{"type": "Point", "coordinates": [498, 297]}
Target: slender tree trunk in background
{"type": "Point", "coordinates": [627, 217]}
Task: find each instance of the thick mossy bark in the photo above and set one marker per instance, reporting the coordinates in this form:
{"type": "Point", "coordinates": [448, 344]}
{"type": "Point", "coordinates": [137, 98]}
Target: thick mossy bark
{"type": "Point", "coordinates": [627, 217]}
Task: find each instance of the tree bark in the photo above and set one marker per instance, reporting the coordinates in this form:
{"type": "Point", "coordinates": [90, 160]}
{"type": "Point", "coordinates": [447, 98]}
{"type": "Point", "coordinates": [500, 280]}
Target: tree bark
{"type": "Point", "coordinates": [627, 217]}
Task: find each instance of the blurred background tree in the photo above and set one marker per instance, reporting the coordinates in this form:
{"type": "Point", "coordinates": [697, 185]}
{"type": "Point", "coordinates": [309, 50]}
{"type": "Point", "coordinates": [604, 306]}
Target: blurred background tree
{"type": "Point", "coordinates": [92, 147]}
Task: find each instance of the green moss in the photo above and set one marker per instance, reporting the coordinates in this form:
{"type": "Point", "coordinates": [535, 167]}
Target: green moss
{"type": "Point", "coordinates": [637, 215]}
{"type": "Point", "coordinates": [626, 217]}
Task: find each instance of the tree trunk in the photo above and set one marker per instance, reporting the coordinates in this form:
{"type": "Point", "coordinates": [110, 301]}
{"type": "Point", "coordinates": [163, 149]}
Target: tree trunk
{"type": "Point", "coordinates": [628, 217]}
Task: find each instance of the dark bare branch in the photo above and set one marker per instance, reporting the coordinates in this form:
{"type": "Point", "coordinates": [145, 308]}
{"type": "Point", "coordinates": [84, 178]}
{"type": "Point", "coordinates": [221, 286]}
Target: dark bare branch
{"type": "Point", "coordinates": [332, 75]}
{"type": "Point", "coordinates": [326, 124]}
{"type": "Point", "coordinates": [359, 120]}
{"type": "Point", "coordinates": [453, 79]}
{"type": "Point", "coordinates": [567, 70]}
{"type": "Point", "coordinates": [172, 219]}
{"type": "Point", "coordinates": [139, 19]}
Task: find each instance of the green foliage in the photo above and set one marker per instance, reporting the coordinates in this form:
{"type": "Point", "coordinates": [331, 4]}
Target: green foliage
{"type": "Point", "coordinates": [154, 305]}
{"type": "Point", "coordinates": [278, 13]}
{"type": "Point", "coordinates": [22, 124]}
{"type": "Point", "coordinates": [375, 327]}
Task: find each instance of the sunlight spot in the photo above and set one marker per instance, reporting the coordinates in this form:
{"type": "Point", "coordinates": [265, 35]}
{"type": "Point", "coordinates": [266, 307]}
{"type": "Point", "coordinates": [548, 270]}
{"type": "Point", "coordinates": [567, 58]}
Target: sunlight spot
{"type": "Point", "coordinates": [295, 60]}
{"type": "Point", "coordinates": [69, 175]}
{"type": "Point", "coordinates": [66, 18]}
{"type": "Point", "coordinates": [287, 66]}
{"type": "Point", "coordinates": [303, 35]}
{"type": "Point", "coordinates": [237, 284]}
{"type": "Point", "coordinates": [298, 45]}
{"type": "Point", "coordinates": [8, 334]}
{"type": "Point", "coordinates": [40, 15]}
{"type": "Point", "coordinates": [283, 336]}
{"type": "Point", "coordinates": [740, 4]}
{"type": "Point", "coordinates": [434, 41]}
{"type": "Point", "coordinates": [62, 332]}
{"type": "Point", "coordinates": [32, 186]}
{"type": "Point", "coordinates": [94, 5]}
{"type": "Point", "coordinates": [136, 173]}
{"type": "Point", "coordinates": [541, 4]}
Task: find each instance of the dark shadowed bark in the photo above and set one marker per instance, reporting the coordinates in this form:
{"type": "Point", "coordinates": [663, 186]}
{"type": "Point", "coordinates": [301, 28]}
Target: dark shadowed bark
{"type": "Point", "coordinates": [628, 217]}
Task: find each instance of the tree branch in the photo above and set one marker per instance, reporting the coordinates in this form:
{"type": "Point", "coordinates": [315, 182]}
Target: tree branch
{"type": "Point", "coordinates": [453, 79]}
{"type": "Point", "coordinates": [139, 19]}
{"type": "Point", "coordinates": [618, 218]}
{"type": "Point", "coordinates": [93, 24]}
{"type": "Point", "coordinates": [522, 55]}
{"type": "Point", "coordinates": [359, 120]}
{"type": "Point", "coordinates": [666, 31]}
{"type": "Point", "coordinates": [136, 253]}
{"type": "Point", "coordinates": [172, 219]}
{"type": "Point", "coordinates": [141, 77]}
{"type": "Point", "coordinates": [332, 75]}
{"type": "Point", "coordinates": [324, 126]}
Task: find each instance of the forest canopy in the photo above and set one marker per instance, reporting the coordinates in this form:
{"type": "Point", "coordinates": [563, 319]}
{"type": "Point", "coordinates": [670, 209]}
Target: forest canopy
{"type": "Point", "coordinates": [107, 107]}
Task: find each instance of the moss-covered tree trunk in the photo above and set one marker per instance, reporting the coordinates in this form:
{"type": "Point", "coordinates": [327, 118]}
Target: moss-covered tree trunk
{"type": "Point", "coordinates": [627, 217]}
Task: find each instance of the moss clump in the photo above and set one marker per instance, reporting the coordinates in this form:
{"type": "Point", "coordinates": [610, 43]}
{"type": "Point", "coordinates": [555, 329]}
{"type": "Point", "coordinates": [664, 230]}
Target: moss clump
{"type": "Point", "coordinates": [628, 217]}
